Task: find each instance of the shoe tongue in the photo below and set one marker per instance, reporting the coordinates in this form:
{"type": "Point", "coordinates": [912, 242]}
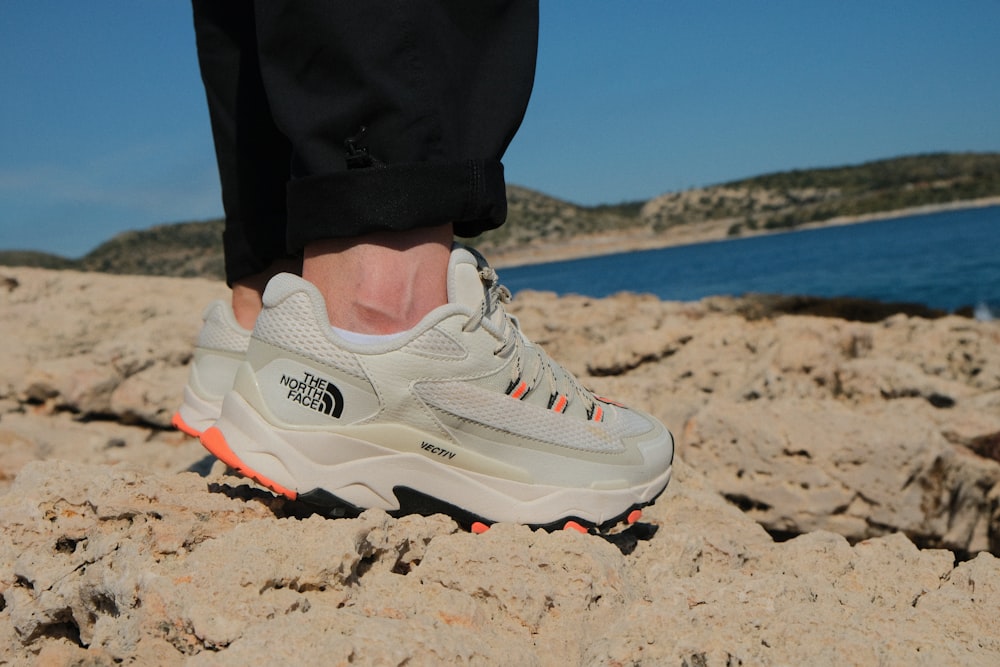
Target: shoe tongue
{"type": "Point", "coordinates": [465, 287]}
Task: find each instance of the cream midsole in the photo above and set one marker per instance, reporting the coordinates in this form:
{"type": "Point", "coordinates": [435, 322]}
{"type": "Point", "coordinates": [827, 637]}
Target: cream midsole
{"type": "Point", "coordinates": [198, 413]}
{"type": "Point", "coordinates": [364, 473]}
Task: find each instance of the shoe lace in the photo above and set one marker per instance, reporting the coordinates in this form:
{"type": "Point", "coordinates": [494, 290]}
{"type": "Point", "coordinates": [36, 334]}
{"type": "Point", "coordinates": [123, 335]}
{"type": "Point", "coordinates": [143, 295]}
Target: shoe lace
{"type": "Point", "coordinates": [530, 360]}
{"type": "Point", "coordinates": [496, 296]}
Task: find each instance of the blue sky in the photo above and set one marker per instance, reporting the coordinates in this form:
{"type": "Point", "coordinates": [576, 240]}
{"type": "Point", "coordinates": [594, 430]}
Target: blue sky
{"type": "Point", "coordinates": [103, 124]}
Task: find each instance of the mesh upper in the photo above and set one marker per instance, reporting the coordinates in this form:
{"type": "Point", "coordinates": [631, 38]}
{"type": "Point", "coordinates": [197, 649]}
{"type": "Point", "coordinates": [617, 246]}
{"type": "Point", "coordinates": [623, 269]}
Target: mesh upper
{"type": "Point", "coordinates": [436, 344]}
{"type": "Point", "coordinates": [295, 320]}
{"type": "Point", "coordinates": [497, 410]}
{"type": "Point", "coordinates": [294, 327]}
{"type": "Point", "coordinates": [221, 331]}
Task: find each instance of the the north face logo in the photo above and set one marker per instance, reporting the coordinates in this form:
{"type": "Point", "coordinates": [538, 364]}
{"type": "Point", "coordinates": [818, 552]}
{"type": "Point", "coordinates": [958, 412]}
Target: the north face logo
{"type": "Point", "coordinates": [315, 393]}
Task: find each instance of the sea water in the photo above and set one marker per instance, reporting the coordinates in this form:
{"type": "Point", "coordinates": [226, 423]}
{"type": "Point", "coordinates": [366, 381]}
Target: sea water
{"type": "Point", "coordinates": [943, 260]}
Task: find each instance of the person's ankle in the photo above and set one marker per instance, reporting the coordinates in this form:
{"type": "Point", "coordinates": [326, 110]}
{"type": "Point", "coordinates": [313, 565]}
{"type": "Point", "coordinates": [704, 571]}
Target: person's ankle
{"type": "Point", "coordinates": [381, 283]}
{"type": "Point", "coordinates": [247, 304]}
{"type": "Point", "coordinates": [247, 293]}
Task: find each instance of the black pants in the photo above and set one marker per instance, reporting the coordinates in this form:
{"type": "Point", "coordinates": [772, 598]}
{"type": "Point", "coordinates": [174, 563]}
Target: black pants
{"type": "Point", "coordinates": [338, 118]}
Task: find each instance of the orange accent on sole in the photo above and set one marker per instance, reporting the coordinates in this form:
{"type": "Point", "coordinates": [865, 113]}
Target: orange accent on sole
{"type": "Point", "coordinates": [178, 423]}
{"type": "Point", "coordinates": [215, 442]}
{"type": "Point", "coordinates": [521, 390]}
{"type": "Point", "coordinates": [634, 516]}
{"type": "Point", "coordinates": [478, 527]}
{"type": "Point", "coordinates": [560, 405]}
{"type": "Point", "coordinates": [573, 525]}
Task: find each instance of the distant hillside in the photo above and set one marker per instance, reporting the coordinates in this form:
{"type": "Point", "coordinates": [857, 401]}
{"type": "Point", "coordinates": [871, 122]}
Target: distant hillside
{"type": "Point", "coordinates": [770, 202]}
{"type": "Point", "coordinates": [535, 217]}
{"type": "Point", "coordinates": [41, 260]}
{"type": "Point", "coordinates": [789, 199]}
{"type": "Point", "coordinates": [185, 249]}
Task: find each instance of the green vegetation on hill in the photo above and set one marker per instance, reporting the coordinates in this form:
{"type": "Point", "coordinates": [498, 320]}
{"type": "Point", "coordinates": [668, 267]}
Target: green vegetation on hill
{"type": "Point", "coordinates": [772, 201]}
{"type": "Point", "coordinates": [884, 185]}
{"type": "Point", "coordinates": [533, 216]}
{"type": "Point", "coordinates": [185, 249]}
{"type": "Point", "coordinates": [42, 260]}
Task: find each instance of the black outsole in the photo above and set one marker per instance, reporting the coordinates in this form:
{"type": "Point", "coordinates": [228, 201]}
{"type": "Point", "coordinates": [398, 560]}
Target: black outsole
{"type": "Point", "coordinates": [412, 501]}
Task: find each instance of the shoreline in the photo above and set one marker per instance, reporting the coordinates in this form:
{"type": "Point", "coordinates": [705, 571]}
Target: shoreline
{"type": "Point", "coordinates": [633, 240]}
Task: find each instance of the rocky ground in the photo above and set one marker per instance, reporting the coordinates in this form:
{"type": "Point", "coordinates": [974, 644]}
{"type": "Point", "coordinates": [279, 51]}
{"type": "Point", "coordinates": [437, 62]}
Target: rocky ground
{"type": "Point", "coordinates": [836, 501]}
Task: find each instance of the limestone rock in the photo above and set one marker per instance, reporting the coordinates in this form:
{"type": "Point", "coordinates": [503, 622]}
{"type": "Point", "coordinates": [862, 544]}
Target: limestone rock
{"type": "Point", "coordinates": [850, 442]}
{"type": "Point", "coordinates": [110, 564]}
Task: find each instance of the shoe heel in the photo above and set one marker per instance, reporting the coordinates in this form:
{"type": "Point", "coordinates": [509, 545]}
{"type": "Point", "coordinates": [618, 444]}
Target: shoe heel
{"type": "Point", "coordinates": [214, 441]}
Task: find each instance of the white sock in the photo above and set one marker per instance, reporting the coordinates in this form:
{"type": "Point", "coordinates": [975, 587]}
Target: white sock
{"type": "Point", "coordinates": [356, 338]}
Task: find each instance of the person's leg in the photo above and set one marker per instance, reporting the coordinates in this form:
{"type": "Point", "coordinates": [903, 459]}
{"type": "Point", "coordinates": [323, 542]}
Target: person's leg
{"type": "Point", "coordinates": [253, 160]}
{"type": "Point", "coordinates": [398, 114]}
{"type": "Point", "coordinates": [253, 155]}
{"type": "Point", "coordinates": [246, 296]}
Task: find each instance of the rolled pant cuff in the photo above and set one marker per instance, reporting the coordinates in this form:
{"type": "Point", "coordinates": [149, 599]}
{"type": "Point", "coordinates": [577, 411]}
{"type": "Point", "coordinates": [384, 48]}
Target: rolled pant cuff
{"type": "Point", "coordinates": [470, 194]}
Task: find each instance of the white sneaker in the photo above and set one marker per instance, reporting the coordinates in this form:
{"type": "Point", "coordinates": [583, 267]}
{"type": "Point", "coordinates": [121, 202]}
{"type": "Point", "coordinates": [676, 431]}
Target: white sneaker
{"type": "Point", "coordinates": [218, 353]}
{"type": "Point", "coordinates": [461, 415]}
